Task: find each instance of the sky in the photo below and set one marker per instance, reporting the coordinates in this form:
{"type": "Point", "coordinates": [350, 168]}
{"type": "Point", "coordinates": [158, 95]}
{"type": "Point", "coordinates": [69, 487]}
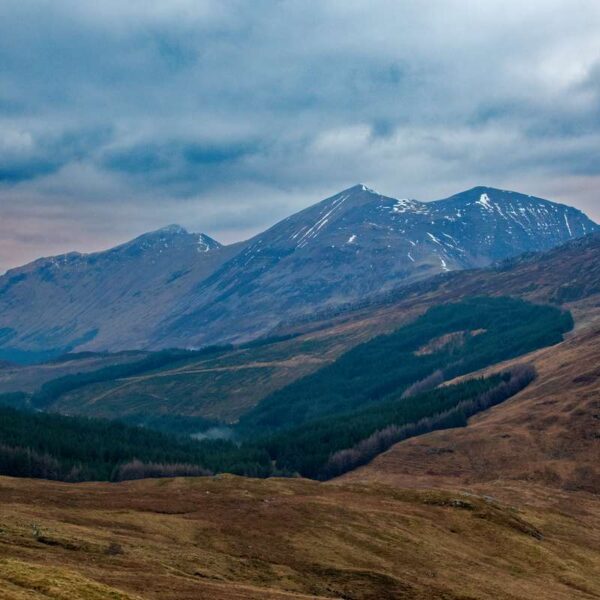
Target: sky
{"type": "Point", "coordinates": [226, 116]}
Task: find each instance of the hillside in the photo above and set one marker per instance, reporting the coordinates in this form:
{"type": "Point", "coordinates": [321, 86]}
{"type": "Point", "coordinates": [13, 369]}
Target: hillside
{"type": "Point", "coordinates": [57, 304]}
{"type": "Point", "coordinates": [232, 538]}
{"type": "Point", "coordinates": [548, 434]}
{"type": "Point", "coordinates": [219, 387]}
{"type": "Point", "coordinates": [377, 391]}
{"type": "Point", "coordinates": [171, 288]}
{"type": "Point", "coordinates": [28, 378]}
{"type": "Point", "coordinates": [226, 386]}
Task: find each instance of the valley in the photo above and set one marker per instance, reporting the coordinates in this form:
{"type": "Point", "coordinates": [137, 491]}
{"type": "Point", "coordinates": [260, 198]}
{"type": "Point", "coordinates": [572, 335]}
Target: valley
{"type": "Point", "coordinates": [299, 300]}
{"type": "Point", "coordinates": [501, 502]}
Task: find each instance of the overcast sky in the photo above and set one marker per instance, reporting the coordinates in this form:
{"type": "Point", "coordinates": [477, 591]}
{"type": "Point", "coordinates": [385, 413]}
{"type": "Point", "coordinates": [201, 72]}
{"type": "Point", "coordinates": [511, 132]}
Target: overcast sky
{"type": "Point", "coordinates": [121, 116]}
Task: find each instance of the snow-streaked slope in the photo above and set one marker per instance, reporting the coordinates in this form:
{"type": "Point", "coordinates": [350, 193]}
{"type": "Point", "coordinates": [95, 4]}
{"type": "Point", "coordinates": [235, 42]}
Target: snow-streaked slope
{"type": "Point", "coordinates": [174, 288]}
{"type": "Point", "coordinates": [358, 243]}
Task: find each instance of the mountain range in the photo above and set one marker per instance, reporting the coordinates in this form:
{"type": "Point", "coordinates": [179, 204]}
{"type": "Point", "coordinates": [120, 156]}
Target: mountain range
{"type": "Point", "coordinates": [425, 518]}
{"type": "Point", "coordinates": [173, 288]}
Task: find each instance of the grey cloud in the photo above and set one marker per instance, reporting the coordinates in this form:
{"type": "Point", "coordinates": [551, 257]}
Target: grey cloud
{"type": "Point", "coordinates": [24, 157]}
{"type": "Point", "coordinates": [227, 115]}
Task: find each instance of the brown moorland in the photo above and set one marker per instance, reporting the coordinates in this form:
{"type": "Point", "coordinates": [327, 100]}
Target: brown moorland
{"type": "Point", "coordinates": [230, 538]}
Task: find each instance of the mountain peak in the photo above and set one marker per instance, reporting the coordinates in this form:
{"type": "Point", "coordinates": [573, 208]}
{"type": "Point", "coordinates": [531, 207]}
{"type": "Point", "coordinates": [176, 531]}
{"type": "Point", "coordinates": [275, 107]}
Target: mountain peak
{"type": "Point", "coordinates": [206, 243]}
{"type": "Point", "coordinates": [483, 189]}
{"type": "Point", "coordinates": [498, 194]}
{"type": "Point", "coordinates": [173, 229]}
{"type": "Point", "coordinates": [488, 198]}
{"type": "Point", "coordinates": [165, 237]}
{"type": "Point", "coordinates": [358, 188]}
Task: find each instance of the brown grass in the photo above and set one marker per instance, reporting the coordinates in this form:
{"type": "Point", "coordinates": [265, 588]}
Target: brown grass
{"type": "Point", "coordinates": [230, 537]}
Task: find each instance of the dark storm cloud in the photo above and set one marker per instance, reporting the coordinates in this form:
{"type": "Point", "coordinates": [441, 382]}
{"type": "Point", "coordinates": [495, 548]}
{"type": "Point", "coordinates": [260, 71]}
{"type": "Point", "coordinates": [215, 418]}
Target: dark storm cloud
{"type": "Point", "coordinates": [178, 162]}
{"type": "Point", "coordinates": [121, 116]}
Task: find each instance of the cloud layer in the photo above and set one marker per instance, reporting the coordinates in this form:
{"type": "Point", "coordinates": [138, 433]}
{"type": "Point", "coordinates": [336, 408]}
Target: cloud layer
{"type": "Point", "coordinates": [228, 115]}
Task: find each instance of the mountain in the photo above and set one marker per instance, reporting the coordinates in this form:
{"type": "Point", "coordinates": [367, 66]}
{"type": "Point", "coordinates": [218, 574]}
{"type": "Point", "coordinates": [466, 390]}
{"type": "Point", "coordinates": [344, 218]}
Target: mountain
{"type": "Point", "coordinates": [173, 288]}
{"type": "Point", "coordinates": [224, 387]}
{"type": "Point", "coordinates": [358, 243]}
{"type": "Point", "coordinates": [503, 508]}
{"type": "Point", "coordinates": [55, 304]}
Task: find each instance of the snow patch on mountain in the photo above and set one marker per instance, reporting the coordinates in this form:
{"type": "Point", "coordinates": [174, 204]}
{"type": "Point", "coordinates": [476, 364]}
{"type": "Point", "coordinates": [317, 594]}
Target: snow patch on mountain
{"type": "Point", "coordinates": [205, 244]}
{"type": "Point", "coordinates": [484, 200]}
{"type": "Point", "coordinates": [406, 205]}
{"type": "Point", "coordinates": [313, 231]}
{"type": "Point", "coordinates": [568, 225]}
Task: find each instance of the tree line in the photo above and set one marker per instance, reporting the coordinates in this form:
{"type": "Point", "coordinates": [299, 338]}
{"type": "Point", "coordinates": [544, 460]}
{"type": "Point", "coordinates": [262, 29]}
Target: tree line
{"type": "Point", "coordinates": [340, 417]}
{"type": "Point", "coordinates": [37, 444]}
{"type": "Point", "coordinates": [330, 446]}
{"type": "Point", "coordinates": [50, 446]}
{"type": "Point", "coordinates": [388, 366]}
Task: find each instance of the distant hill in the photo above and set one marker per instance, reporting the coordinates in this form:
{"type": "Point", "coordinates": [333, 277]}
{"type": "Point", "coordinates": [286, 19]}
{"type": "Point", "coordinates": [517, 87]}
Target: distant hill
{"type": "Point", "coordinates": [102, 300]}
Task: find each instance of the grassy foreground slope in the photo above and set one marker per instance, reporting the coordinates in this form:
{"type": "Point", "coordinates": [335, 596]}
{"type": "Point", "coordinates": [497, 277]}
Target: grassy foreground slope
{"type": "Point", "coordinates": [234, 538]}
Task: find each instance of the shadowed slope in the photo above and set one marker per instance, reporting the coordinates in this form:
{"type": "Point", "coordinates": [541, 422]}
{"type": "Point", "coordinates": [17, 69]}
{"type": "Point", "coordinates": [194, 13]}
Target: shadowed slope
{"type": "Point", "coordinates": [90, 301]}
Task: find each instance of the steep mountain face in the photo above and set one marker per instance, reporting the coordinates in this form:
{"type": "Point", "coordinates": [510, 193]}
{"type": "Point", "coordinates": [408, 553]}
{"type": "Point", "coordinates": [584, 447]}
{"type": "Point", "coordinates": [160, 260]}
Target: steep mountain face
{"type": "Point", "coordinates": [103, 299]}
{"type": "Point", "coordinates": [358, 243]}
{"type": "Point", "coordinates": [495, 224]}
{"type": "Point", "coordinates": [174, 288]}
